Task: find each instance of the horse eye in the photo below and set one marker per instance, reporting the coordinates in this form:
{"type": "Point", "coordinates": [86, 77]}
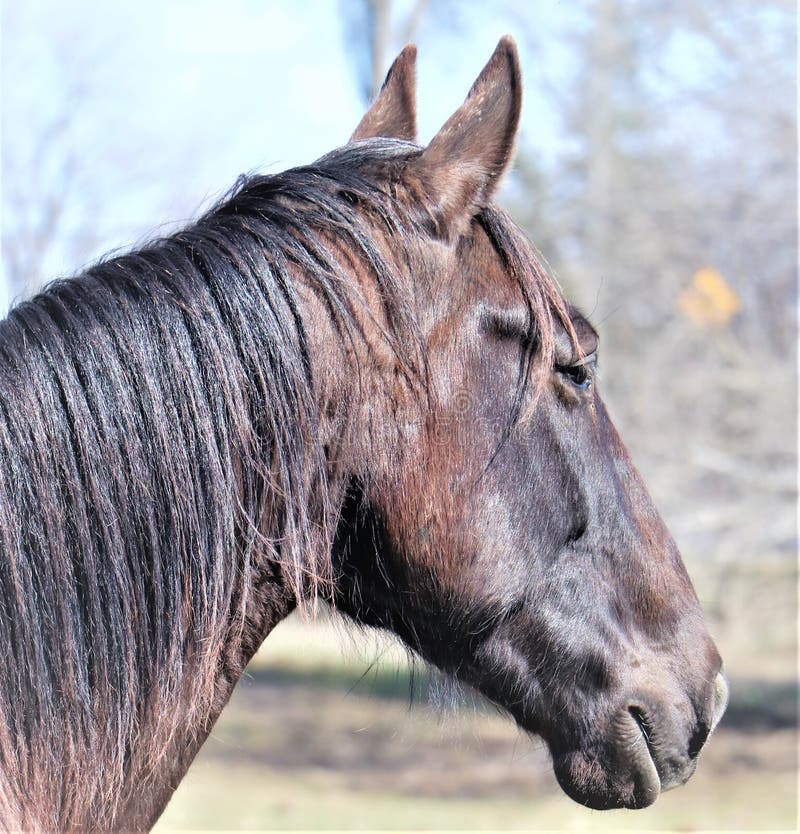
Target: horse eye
{"type": "Point", "coordinates": [579, 375]}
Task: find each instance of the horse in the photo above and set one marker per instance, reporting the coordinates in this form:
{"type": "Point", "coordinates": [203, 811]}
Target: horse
{"type": "Point", "coordinates": [350, 384]}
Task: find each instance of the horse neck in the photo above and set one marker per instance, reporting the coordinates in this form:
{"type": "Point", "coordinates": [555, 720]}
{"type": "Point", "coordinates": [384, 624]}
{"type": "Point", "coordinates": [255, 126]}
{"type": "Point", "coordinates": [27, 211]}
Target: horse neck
{"type": "Point", "coordinates": [343, 376]}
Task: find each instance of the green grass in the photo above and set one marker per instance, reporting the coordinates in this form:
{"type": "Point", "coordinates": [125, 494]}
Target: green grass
{"type": "Point", "coordinates": [244, 798]}
{"type": "Point", "coordinates": [314, 800]}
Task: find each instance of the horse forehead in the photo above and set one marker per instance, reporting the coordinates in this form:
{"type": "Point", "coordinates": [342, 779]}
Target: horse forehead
{"type": "Point", "coordinates": [481, 266]}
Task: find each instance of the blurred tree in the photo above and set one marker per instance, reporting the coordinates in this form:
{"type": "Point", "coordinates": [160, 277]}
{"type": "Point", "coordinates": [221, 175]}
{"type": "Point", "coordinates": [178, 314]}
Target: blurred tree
{"type": "Point", "coordinates": [375, 31]}
{"type": "Point", "coordinates": [42, 173]}
{"type": "Point", "coordinates": [682, 156]}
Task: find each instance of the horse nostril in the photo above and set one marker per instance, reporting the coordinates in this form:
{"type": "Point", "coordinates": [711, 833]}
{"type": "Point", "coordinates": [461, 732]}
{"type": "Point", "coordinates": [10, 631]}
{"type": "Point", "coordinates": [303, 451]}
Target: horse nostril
{"type": "Point", "coordinates": [643, 722]}
{"type": "Point", "coordinates": [698, 739]}
{"type": "Point", "coordinates": [721, 696]}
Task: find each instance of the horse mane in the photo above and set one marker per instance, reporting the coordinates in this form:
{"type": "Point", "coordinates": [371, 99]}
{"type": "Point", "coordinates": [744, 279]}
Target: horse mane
{"type": "Point", "coordinates": [158, 439]}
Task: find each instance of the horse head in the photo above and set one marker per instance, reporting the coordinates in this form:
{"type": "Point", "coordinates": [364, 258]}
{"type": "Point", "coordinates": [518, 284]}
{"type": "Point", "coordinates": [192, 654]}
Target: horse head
{"type": "Point", "coordinates": [494, 520]}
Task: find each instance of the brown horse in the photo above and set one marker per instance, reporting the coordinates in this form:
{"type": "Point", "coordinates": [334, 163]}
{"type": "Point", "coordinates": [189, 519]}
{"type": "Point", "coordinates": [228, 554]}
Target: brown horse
{"type": "Point", "coordinates": [351, 382]}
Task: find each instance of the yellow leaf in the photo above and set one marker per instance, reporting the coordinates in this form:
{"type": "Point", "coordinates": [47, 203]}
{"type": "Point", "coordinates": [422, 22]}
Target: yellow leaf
{"type": "Point", "coordinates": [709, 300]}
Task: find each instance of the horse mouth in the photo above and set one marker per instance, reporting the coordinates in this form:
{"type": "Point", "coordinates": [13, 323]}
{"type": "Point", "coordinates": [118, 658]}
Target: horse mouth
{"type": "Point", "coordinates": [622, 775]}
{"type": "Point", "coordinates": [641, 720]}
{"type": "Point", "coordinates": [644, 755]}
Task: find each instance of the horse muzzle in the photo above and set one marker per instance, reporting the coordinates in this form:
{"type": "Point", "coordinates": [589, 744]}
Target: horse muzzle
{"type": "Point", "coordinates": [647, 750]}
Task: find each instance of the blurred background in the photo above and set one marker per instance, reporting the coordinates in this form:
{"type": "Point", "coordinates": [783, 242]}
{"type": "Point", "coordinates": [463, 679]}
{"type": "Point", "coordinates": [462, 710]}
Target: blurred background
{"type": "Point", "coordinates": [657, 172]}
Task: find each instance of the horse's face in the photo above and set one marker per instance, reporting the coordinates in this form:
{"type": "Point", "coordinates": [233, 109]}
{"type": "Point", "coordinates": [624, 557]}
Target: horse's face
{"type": "Point", "coordinates": [529, 563]}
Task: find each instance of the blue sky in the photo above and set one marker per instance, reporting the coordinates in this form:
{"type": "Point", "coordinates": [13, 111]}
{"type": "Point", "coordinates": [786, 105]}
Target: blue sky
{"type": "Point", "coordinates": [160, 106]}
{"type": "Point", "coordinates": [147, 110]}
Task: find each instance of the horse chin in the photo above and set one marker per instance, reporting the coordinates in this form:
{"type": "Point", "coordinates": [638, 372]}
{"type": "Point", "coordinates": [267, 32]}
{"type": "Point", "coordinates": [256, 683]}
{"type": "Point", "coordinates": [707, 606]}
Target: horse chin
{"type": "Point", "coordinates": [617, 775]}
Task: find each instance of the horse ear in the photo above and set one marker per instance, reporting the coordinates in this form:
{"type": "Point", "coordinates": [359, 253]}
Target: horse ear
{"type": "Point", "coordinates": [393, 114]}
{"type": "Point", "coordinates": [462, 167]}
